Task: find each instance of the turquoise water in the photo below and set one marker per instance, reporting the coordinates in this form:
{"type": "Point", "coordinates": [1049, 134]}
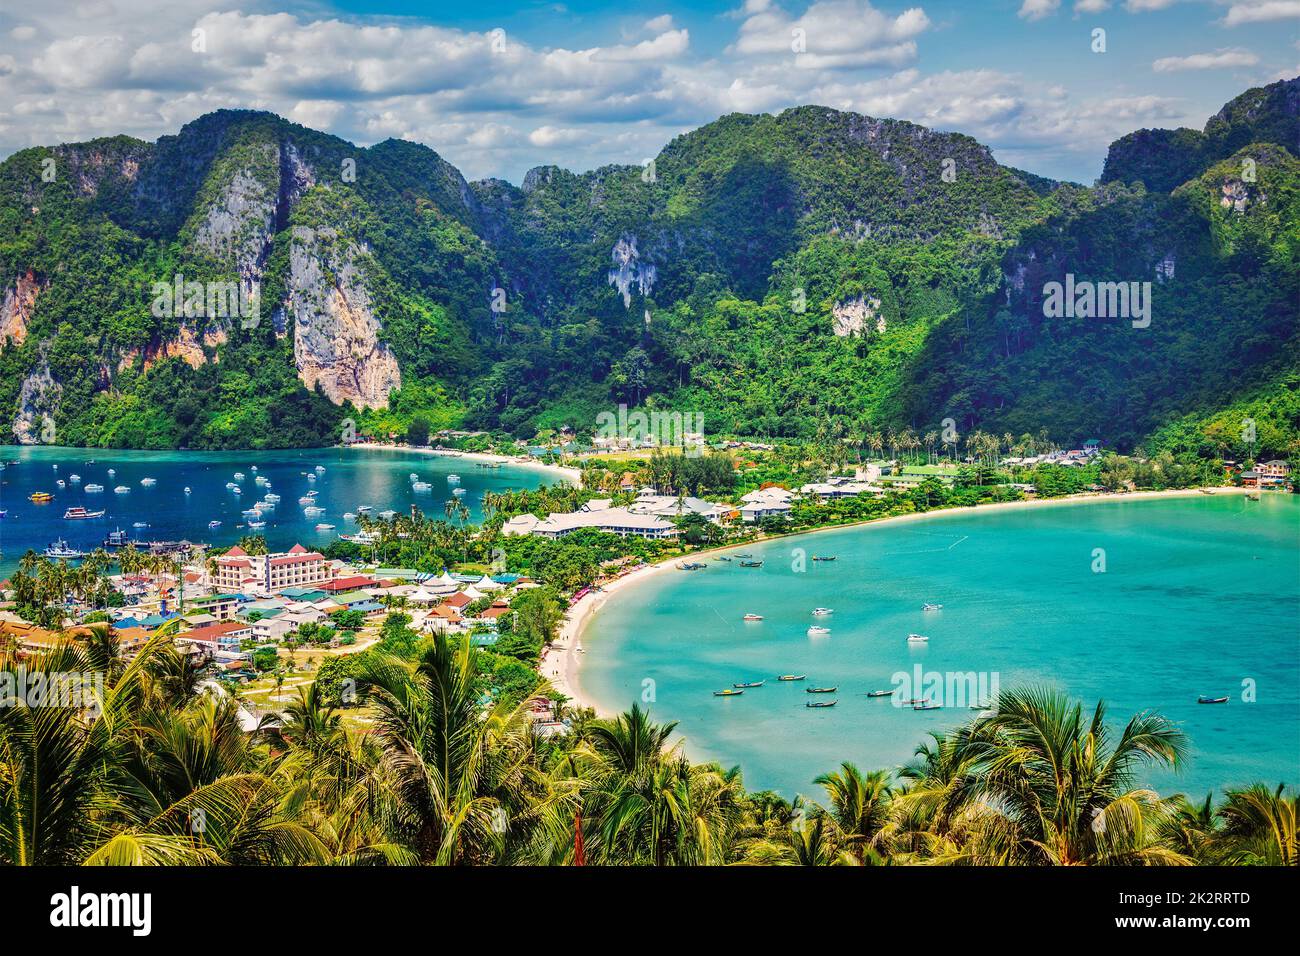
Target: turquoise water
{"type": "Point", "coordinates": [1198, 595]}
{"type": "Point", "coordinates": [352, 477]}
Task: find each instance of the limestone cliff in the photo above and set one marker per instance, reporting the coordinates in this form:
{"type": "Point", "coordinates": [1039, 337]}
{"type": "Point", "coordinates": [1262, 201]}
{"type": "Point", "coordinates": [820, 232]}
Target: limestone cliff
{"type": "Point", "coordinates": [336, 333]}
{"type": "Point", "coordinates": [38, 405]}
{"type": "Point", "coordinates": [16, 308]}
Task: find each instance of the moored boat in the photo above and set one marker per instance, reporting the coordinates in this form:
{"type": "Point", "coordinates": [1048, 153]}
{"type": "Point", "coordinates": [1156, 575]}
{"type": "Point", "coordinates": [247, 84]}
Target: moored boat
{"type": "Point", "coordinates": [753, 617]}
{"type": "Point", "coordinates": [121, 490]}
{"type": "Point", "coordinates": [917, 639]}
{"type": "Point", "coordinates": [40, 497]}
{"type": "Point", "coordinates": [821, 703]}
{"type": "Point", "coordinates": [729, 692]}
{"type": "Point", "coordinates": [751, 564]}
{"type": "Point", "coordinates": [815, 630]}
{"type": "Point", "coordinates": [822, 611]}
{"type": "Point", "coordinates": [1211, 700]}
{"type": "Point", "coordinates": [880, 693]}
{"type": "Point", "coordinates": [792, 677]}
{"type": "Point", "coordinates": [93, 488]}
{"type": "Point", "coordinates": [821, 690]}
{"type": "Point", "coordinates": [752, 683]}
{"type": "Point", "coordinates": [824, 557]}
{"type": "Point", "coordinates": [79, 513]}
{"type": "Point", "coordinates": [60, 549]}
{"type": "Point", "coordinates": [931, 607]}
{"type": "Point", "coordinates": [927, 706]}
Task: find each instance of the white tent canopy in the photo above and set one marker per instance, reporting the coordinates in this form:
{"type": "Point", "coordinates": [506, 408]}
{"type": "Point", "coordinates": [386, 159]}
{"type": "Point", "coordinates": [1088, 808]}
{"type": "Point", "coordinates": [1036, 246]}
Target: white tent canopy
{"type": "Point", "coordinates": [485, 583]}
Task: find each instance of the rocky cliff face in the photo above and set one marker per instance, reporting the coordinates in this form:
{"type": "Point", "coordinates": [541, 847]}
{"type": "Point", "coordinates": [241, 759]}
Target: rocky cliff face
{"type": "Point", "coordinates": [630, 271]}
{"type": "Point", "coordinates": [336, 332]}
{"type": "Point", "coordinates": [16, 308]}
{"type": "Point", "coordinates": [38, 405]}
{"type": "Point", "coordinates": [856, 316]}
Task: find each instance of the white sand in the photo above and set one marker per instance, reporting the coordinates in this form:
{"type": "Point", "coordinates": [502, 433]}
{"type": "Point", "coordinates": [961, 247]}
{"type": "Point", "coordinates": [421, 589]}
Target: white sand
{"type": "Point", "coordinates": [572, 475]}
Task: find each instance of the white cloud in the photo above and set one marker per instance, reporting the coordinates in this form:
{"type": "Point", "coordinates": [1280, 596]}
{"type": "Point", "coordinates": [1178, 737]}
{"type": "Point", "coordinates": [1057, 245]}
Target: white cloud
{"type": "Point", "coordinates": [547, 136]}
{"type": "Point", "coordinates": [1260, 11]}
{"type": "Point", "coordinates": [1038, 9]}
{"type": "Point", "coordinates": [1205, 61]}
{"type": "Point", "coordinates": [831, 34]}
{"type": "Point", "coordinates": [1091, 6]}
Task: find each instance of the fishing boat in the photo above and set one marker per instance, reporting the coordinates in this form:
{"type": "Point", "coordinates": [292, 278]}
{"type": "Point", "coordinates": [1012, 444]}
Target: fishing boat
{"type": "Point", "coordinates": [691, 566]}
{"type": "Point", "coordinates": [880, 693]}
{"type": "Point", "coordinates": [751, 564]}
{"type": "Point", "coordinates": [60, 549]}
{"type": "Point", "coordinates": [917, 639]}
{"type": "Point", "coordinates": [148, 482]}
{"type": "Point", "coordinates": [121, 490]}
{"type": "Point", "coordinates": [214, 523]}
{"type": "Point", "coordinates": [912, 702]}
{"type": "Point", "coordinates": [753, 617]}
{"type": "Point", "coordinates": [94, 489]}
{"type": "Point", "coordinates": [80, 513]}
{"type": "Point", "coordinates": [931, 607]}
{"type": "Point", "coordinates": [40, 497]}
{"type": "Point", "coordinates": [751, 683]}
{"type": "Point", "coordinates": [821, 690]}
{"type": "Point", "coordinates": [821, 703]}
{"type": "Point", "coordinates": [822, 611]}
{"type": "Point", "coordinates": [927, 706]}
{"type": "Point", "coordinates": [824, 557]}
{"type": "Point", "coordinates": [1211, 700]}
{"type": "Point", "coordinates": [724, 558]}
{"type": "Point", "coordinates": [792, 677]}
{"type": "Point", "coordinates": [815, 630]}
{"type": "Point", "coordinates": [743, 554]}
{"type": "Point", "coordinates": [729, 692]}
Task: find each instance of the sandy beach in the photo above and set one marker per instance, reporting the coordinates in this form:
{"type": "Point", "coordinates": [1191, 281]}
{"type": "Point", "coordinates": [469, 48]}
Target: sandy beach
{"type": "Point", "coordinates": [562, 662]}
{"type": "Point", "coordinates": [572, 475]}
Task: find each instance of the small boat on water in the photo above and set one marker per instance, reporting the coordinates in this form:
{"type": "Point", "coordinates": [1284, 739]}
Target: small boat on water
{"type": "Point", "coordinates": [752, 564]}
{"type": "Point", "coordinates": [271, 497]}
{"type": "Point", "coordinates": [325, 527]}
{"type": "Point", "coordinates": [40, 497]}
{"type": "Point", "coordinates": [310, 476]}
{"type": "Point", "coordinates": [927, 706]}
{"type": "Point", "coordinates": [255, 525]}
{"type": "Point", "coordinates": [913, 701]}
{"type": "Point", "coordinates": [815, 630]}
{"type": "Point", "coordinates": [917, 639]}
{"type": "Point", "coordinates": [187, 489]}
{"type": "Point", "coordinates": [80, 512]}
{"type": "Point", "coordinates": [320, 469]}
{"type": "Point", "coordinates": [148, 482]}
{"type": "Point", "coordinates": [453, 479]}
{"type": "Point", "coordinates": [743, 554]}
{"type": "Point", "coordinates": [313, 510]}
{"type": "Point", "coordinates": [306, 500]}
{"type": "Point", "coordinates": [60, 549]}
{"type": "Point", "coordinates": [112, 472]}
{"type": "Point", "coordinates": [723, 557]}
{"type": "Point", "coordinates": [140, 524]}
{"type": "Point", "coordinates": [931, 607]}
{"type": "Point", "coordinates": [94, 489]}
{"type": "Point", "coordinates": [1211, 700]}
{"type": "Point", "coordinates": [821, 690]}
{"type": "Point", "coordinates": [691, 566]}
{"type": "Point", "coordinates": [214, 524]}
{"type": "Point", "coordinates": [822, 611]}
{"type": "Point", "coordinates": [61, 483]}
{"type": "Point", "coordinates": [121, 490]}
{"type": "Point", "coordinates": [824, 557]}
{"type": "Point", "coordinates": [729, 692]}
{"type": "Point", "coordinates": [821, 703]}
{"type": "Point", "coordinates": [751, 683]}
{"type": "Point", "coordinates": [74, 478]}
{"type": "Point", "coordinates": [880, 693]}
{"type": "Point", "coordinates": [458, 492]}
{"type": "Point", "coordinates": [239, 476]}
{"type": "Point", "coordinates": [388, 515]}
{"type": "Point", "coordinates": [349, 516]}
{"type": "Point", "coordinates": [421, 486]}
{"type": "Point", "coordinates": [792, 677]}
{"type": "Point", "coordinates": [753, 617]}
{"type": "Point", "coordinates": [363, 509]}
{"type": "Point", "coordinates": [413, 476]}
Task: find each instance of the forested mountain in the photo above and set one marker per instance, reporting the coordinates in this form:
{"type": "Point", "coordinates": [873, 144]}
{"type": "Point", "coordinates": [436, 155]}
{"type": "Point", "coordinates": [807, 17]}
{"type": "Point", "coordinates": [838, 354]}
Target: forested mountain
{"type": "Point", "coordinates": [810, 273]}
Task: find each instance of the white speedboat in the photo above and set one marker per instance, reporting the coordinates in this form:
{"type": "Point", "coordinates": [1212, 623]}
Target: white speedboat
{"type": "Point", "coordinates": [458, 492]}
{"type": "Point", "coordinates": [421, 486]}
{"type": "Point", "coordinates": [187, 489]}
{"type": "Point", "coordinates": [239, 476]}
{"type": "Point", "coordinates": [917, 639]}
{"type": "Point", "coordinates": [753, 617]}
{"type": "Point", "coordinates": [931, 607]}
{"type": "Point", "coordinates": [414, 477]}
{"type": "Point", "coordinates": [256, 524]}
{"type": "Point", "coordinates": [822, 611]}
{"type": "Point", "coordinates": [320, 469]}
{"type": "Point", "coordinates": [349, 516]}
{"type": "Point", "coordinates": [74, 478]}
{"type": "Point", "coordinates": [148, 482]}
{"type": "Point", "coordinates": [93, 488]}
{"type": "Point", "coordinates": [453, 479]}
{"type": "Point", "coordinates": [817, 630]}
{"type": "Point", "coordinates": [122, 490]}
{"type": "Point", "coordinates": [324, 527]}
{"type": "Point", "coordinates": [362, 509]}
{"type": "Point", "coordinates": [214, 524]}
{"type": "Point", "coordinates": [387, 515]}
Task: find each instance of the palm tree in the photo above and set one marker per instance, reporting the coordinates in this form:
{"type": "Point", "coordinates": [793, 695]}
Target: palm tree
{"type": "Point", "coordinates": [859, 807]}
{"type": "Point", "coordinates": [1259, 827]}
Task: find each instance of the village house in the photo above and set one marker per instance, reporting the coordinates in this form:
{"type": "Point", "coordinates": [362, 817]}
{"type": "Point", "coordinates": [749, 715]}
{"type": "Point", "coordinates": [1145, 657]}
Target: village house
{"type": "Point", "coordinates": [620, 521]}
{"type": "Point", "coordinates": [765, 503]}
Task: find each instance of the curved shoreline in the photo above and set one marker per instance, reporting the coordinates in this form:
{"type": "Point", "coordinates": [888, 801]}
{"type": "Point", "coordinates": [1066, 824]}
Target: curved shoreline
{"type": "Point", "coordinates": [562, 661]}
{"type": "Point", "coordinates": [572, 475]}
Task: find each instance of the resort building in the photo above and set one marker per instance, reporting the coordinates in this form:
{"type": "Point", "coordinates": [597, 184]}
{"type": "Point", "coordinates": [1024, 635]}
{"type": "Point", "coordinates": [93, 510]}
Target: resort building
{"type": "Point", "coordinates": [1273, 472]}
{"type": "Point", "coordinates": [218, 638]}
{"type": "Point", "coordinates": [237, 570]}
{"type": "Point", "coordinates": [596, 514]}
{"type": "Point", "coordinates": [765, 503]}
{"type": "Point", "coordinates": [840, 488]}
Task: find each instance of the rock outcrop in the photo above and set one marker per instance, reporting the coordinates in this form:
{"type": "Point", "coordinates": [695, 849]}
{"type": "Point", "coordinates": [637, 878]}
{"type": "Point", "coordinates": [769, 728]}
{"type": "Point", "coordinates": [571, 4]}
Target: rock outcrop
{"type": "Point", "coordinates": [856, 316]}
{"type": "Point", "coordinates": [38, 401]}
{"type": "Point", "coordinates": [16, 308]}
{"type": "Point", "coordinates": [336, 333]}
{"type": "Point", "coordinates": [630, 271]}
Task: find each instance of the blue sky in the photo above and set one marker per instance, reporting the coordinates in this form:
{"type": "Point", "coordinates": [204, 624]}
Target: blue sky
{"type": "Point", "coordinates": [497, 87]}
